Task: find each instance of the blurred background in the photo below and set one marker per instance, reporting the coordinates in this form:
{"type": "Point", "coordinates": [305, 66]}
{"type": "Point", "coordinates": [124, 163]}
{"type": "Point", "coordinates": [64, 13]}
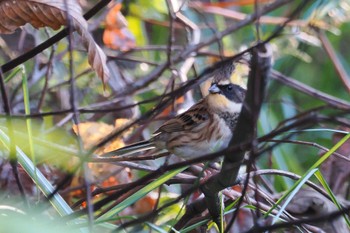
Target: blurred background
{"type": "Point", "coordinates": [64, 111]}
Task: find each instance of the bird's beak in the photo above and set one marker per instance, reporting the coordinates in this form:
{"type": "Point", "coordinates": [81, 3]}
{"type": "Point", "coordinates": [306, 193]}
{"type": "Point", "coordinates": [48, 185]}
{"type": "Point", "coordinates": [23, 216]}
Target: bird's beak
{"type": "Point", "coordinates": [214, 89]}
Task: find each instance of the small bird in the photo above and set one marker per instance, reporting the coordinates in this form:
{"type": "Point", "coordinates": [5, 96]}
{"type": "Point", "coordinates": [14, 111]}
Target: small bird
{"type": "Point", "coordinates": [204, 128]}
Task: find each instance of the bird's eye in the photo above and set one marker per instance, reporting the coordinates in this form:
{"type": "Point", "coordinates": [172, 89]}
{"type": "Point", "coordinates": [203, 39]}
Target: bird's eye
{"type": "Point", "coordinates": [229, 87]}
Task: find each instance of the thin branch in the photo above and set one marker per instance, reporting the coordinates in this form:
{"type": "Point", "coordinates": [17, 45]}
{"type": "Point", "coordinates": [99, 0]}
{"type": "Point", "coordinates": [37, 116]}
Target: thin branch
{"type": "Point", "coordinates": [299, 222]}
{"type": "Point", "coordinates": [247, 21]}
{"type": "Point", "coordinates": [47, 76]}
{"type": "Point", "coordinates": [190, 49]}
{"type": "Point", "coordinates": [230, 150]}
{"type": "Point", "coordinates": [272, 20]}
{"type": "Point", "coordinates": [171, 37]}
{"type": "Point", "coordinates": [74, 104]}
{"type": "Point", "coordinates": [132, 59]}
{"type": "Point", "coordinates": [313, 144]}
{"type": "Point", "coordinates": [330, 100]}
{"type": "Point", "coordinates": [335, 60]}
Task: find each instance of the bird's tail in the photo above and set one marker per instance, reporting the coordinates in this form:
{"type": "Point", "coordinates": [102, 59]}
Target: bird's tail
{"type": "Point", "coordinates": [131, 149]}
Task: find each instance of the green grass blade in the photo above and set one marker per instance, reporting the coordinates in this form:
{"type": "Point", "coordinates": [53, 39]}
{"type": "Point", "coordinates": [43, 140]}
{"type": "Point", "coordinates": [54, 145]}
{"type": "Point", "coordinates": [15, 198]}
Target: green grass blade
{"type": "Point", "coordinates": [324, 183]}
{"type": "Point", "coordinates": [155, 228]}
{"type": "Point", "coordinates": [222, 207]}
{"type": "Point", "coordinates": [319, 130]}
{"type": "Point", "coordinates": [314, 166]}
{"type": "Point", "coordinates": [295, 188]}
{"type": "Point", "coordinates": [29, 122]}
{"type": "Point", "coordinates": [44, 185]}
{"type": "Point", "coordinates": [139, 194]}
{"type": "Point", "coordinates": [331, 151]}
{"type": "Point", "coordinates": [194, 226]}
{"type": "Point", "coordinates": [14, 73]}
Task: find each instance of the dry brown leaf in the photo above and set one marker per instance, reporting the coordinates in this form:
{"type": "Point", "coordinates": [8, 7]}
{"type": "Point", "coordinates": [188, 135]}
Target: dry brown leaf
{"type": "Point", "coordinates": [41, 13]}
{"type": "Point", "coordinates": [100, 174]}
{"type": "Point", "coordinates": [92, 132]}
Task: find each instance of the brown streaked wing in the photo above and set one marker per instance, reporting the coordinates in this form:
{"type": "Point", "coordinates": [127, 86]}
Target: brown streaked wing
{"type": "Point", "coordinates": [193, 117]}
{"type": "Point", "coordinates": [173, 125]}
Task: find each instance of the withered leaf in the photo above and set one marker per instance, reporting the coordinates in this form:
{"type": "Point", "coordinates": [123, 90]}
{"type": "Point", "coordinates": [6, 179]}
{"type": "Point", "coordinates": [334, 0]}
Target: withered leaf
{"type": "Point", "coordinates": [41, 13]}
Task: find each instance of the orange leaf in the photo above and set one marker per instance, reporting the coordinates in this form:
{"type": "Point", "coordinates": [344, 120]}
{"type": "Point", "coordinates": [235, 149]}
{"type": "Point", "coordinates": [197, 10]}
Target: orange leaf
{"type": "Point", "coordinates": [111, 19]}
{"type": "Point", "coordinates": [169, 109]}
{"type": "Point", "coordinates": [146, 204]}
{"type": "Point", "coordinates": [92, 132]}
{"type": "Point", "coordinates": [117, 35]}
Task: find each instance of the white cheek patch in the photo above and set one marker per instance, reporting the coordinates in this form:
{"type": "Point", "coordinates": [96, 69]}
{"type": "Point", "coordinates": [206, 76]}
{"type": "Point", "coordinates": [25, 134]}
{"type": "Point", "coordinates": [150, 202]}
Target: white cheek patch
{"type": "Point", "coordinates": [234, 107]}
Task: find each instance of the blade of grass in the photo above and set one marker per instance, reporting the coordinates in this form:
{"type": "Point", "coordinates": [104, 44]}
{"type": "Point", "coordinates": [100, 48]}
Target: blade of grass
{"type": "Point", "coordinates": [139, 194]}
{"type": "Point", "coordinates": [314, 166]}
{"type": "Point", "coordinates": [228, 209]}
{"type": "Point", "coordinates": [29, 123]}
{"type": "Point", "coordinates": [230, 206]}
{"type": "Point", "coordinates": [324, 183]}
{"type": "Point", "coordinates": [331, 151]}
{"type": "Point", "coordinates": [44, 185]}
{"type": "Point", "coordinates": [319, 130]}
{"type": "Point", "coordinates": [186, 199]}
{"type": "Point", "coordinates": [295, 188]}
{"type": "Point", "coordinates": [192, 227]}
{"type": "Point", "coordinates": [42, 142]}
{"type": "Point", "coordinates": [222, 207]}
{"type": "Point", "coordinates": [14, 73]}
{"type": "Point", "coordinates": [155, 228]}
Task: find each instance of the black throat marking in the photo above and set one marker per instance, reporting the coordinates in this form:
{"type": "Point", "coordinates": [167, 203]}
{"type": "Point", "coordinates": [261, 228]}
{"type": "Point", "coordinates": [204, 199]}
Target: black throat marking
{"type": "Point", "coordinates": [230, 119]}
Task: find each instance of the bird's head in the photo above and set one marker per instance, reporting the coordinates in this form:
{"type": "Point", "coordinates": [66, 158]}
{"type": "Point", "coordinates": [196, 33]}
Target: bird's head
{"type": "Point", "coordinates": [225, 96]}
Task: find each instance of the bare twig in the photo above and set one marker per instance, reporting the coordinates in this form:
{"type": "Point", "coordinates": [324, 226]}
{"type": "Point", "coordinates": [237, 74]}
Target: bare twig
{"type": "Point", "coordinates": [344, 77]}
{"type": "Point", "coordinates": [273, 20]}
{"type": "Point", "coordinates": [330, 100]}
{"type": "Point", "coordinates": [299, 222]}
{"type": "Point", "coordinates": [190, 49]}
{"type": "Point", "coordinates": [74, 104]}
{"type": "Point", "coordinates": [248, 20]}
{"type": "Point", "coordinates": [313, 144]}
{"type": "Point", "coordinates": [47, 76]}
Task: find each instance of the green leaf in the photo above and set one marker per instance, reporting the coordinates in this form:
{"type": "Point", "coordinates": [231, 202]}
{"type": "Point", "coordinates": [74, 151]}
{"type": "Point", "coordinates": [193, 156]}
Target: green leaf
{"type": "Point", "coordinates": [194, 226]}
{"type": "Point", "coordinates": [311, 170]}
{"type": "Point", "coordinates": [324, 183]}
{"type": "Point", "coordinates": [14, 73]}
{"type": "Point", "coordinates": [291, 193]}
{"type": "Point", "coordinates": [139, 194]}
{"type": "Point", "coordinates": [45, 186]}
{"type": "Point", "coordinates": [28, 120]}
